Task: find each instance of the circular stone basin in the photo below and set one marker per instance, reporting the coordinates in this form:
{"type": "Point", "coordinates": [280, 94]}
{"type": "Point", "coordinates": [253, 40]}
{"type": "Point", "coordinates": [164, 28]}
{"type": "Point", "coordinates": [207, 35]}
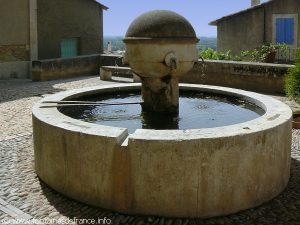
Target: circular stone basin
{"type": "Point", "coordinates": [196, 110]}
{"type": "Point", "coordinates": [201, 172]}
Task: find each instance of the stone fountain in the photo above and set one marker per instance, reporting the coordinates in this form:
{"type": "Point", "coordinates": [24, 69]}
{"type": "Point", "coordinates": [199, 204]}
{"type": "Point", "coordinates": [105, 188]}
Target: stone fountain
{"type": "Point", "coordinates": [215, 165]}
{"type": "Point", "coordinates": [161, 47]}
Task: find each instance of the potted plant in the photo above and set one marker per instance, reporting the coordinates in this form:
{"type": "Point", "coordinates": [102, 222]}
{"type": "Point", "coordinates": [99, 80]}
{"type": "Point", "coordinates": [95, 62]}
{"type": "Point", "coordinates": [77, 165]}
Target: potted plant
{"type": "Point", "coordinates": [269, 51]}
{"type": "Point", "coordinates": [266, 53]}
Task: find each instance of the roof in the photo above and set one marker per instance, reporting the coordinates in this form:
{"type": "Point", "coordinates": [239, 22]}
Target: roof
{"type": "Point", "coordinates": [215, 22]}
{"type": "Point", "coordinates": [101, 5]}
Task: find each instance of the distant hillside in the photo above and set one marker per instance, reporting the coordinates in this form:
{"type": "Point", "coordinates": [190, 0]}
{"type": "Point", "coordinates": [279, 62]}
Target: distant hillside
{"type": "Point", "coordinates": [118, 45]}
{"type": "Point", "coordinates": [207, 42]}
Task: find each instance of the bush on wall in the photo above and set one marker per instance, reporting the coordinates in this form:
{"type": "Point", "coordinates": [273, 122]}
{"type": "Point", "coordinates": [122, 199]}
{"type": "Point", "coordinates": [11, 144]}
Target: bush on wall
{"type": "Point", "coordinates": [264, 53]}
{"type": "Point", "coordinates": [217, 55]}
{"type": "Point", "coordinates": [292, 80]}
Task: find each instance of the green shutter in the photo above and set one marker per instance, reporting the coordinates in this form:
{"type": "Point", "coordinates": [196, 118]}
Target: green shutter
{"type": "Point", "coordinates": [69, 47]}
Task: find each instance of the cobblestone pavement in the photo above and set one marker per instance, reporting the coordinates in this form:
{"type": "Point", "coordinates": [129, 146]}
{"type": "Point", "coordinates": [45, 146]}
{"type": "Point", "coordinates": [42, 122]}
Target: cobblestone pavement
{"type": "Point", "coordinates": [23, 195]}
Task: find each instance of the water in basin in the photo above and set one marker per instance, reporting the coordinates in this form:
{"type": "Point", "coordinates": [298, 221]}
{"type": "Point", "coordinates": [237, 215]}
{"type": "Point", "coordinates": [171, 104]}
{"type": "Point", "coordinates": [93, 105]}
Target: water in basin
{"type": "Point", "coordinates": [196, 110]}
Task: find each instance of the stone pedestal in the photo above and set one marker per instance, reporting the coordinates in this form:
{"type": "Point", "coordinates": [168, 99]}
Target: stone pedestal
{"type": "Point", "coordinates": [105, 75]}
{"type": "Point", "coordinates": [160, 95]}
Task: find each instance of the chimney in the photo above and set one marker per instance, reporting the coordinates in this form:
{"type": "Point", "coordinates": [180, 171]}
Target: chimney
{"type": "Point", "coordinates": [255, 3]}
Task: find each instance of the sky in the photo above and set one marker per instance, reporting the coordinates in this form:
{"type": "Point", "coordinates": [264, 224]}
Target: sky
{"type": "Point", "coordinates": [122, 12]}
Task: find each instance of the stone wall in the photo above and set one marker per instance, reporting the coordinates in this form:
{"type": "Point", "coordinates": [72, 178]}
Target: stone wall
{"type": "Point", "coordinates": [14, 39]}
{"type": "Point", "coordinates": [111, 60]}
{"type": "Point", "coordinates": [16, 69]}
{"type": "Point", "coordinates": [259, 77]}
{"type": "Point", "coordinates": [14, 22]}
{"type": "Point", "coordinates": [242, 32]}
{"type": "Point", "coordinates": [59, 19]}
{"type": "Point", "coordinates": [19, 52]}
{"type": "Point", "coordinates": [53, 69]}
{"type": "Point", "coordinates": [252, 76]}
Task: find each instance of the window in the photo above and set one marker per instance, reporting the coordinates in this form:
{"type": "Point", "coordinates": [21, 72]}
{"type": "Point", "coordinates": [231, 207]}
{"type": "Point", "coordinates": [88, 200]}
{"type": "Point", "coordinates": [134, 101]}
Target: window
{"type": "Point", "coordinates": [69, 47]}
{"type": "Point", "coordinates": [285, 30]}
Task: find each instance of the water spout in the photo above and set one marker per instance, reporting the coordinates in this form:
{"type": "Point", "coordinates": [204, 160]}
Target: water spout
{"type": "Point", "coordinates": [202, 66]}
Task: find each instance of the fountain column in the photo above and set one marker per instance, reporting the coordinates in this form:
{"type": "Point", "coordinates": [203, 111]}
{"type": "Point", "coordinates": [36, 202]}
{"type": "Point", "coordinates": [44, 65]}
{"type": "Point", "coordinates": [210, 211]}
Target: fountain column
{"type": "Point", "coordinates": [160, 95]}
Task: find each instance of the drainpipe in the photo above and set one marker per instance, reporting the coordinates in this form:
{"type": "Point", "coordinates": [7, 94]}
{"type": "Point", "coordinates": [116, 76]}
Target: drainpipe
{"type": "Point", "coordinates": [265, 20]}
{"type": "Point", "coordinates": [33, 32]}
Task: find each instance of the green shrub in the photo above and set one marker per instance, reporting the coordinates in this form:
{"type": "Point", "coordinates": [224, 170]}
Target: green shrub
{"type": "Point", "coordinates": [292, 80]}
{"type": "Point", "coordinates": [259, 54]}
{"type": "Point", "coordinates": [217, 55]}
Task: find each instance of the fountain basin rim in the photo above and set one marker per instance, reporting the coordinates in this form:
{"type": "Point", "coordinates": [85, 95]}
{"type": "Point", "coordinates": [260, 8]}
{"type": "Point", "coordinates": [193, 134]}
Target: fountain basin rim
{"type": "Point", "coordinates": [276, 113]}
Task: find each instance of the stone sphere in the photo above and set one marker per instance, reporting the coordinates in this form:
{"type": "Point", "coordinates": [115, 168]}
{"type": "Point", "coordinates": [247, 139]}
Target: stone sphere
{"type": "Point", "coordinates": [161, 24]}
{"type": "Point", "coordinates": [160, 43]}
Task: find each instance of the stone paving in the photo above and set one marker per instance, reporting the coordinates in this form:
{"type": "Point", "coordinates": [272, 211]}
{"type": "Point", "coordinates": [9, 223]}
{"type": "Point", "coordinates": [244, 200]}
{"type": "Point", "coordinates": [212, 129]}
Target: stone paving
{"type": "Point", "coordinates": [24, 196]}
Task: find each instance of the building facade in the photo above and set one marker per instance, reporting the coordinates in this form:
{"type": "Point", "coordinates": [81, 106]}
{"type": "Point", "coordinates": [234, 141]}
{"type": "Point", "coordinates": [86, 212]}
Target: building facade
{"type": "Point", "coordinates": [42, 29]}
{"type": "Point", "coordinates": [275, 21]}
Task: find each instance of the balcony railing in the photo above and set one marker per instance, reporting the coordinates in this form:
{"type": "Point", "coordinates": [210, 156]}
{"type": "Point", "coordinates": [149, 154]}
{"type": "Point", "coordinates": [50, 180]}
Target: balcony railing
{"type": "Point", "coordinates": [286, 57]}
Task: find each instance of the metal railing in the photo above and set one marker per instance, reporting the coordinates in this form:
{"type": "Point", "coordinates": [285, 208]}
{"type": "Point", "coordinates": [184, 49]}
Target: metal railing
{"type": "Point", "coordinates": [286, 57]}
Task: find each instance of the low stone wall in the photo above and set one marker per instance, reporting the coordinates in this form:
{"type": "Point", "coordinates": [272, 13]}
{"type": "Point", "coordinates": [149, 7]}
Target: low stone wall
{"type": "Point", "coordinates": [116, 61]}
{"type": "Point", "coordinates": [260, 77]}
{"type": "Point", "coordinates": [112, 60]}
{"type": "Point", "coordinates": [53, 69]}
{"type": "Point", "coordinates": [12, 70]}
{"type": "Point", "coordinates": [252, 76]}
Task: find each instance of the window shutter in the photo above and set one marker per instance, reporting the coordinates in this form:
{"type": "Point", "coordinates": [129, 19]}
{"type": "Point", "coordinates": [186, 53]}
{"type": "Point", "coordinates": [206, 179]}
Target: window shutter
{"type": "Point", "coordinates": [69, 47]}
{"type": "Point", "coordinates": [289, 31]}
{"type": "Point", "coordinates": [280, 34]}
